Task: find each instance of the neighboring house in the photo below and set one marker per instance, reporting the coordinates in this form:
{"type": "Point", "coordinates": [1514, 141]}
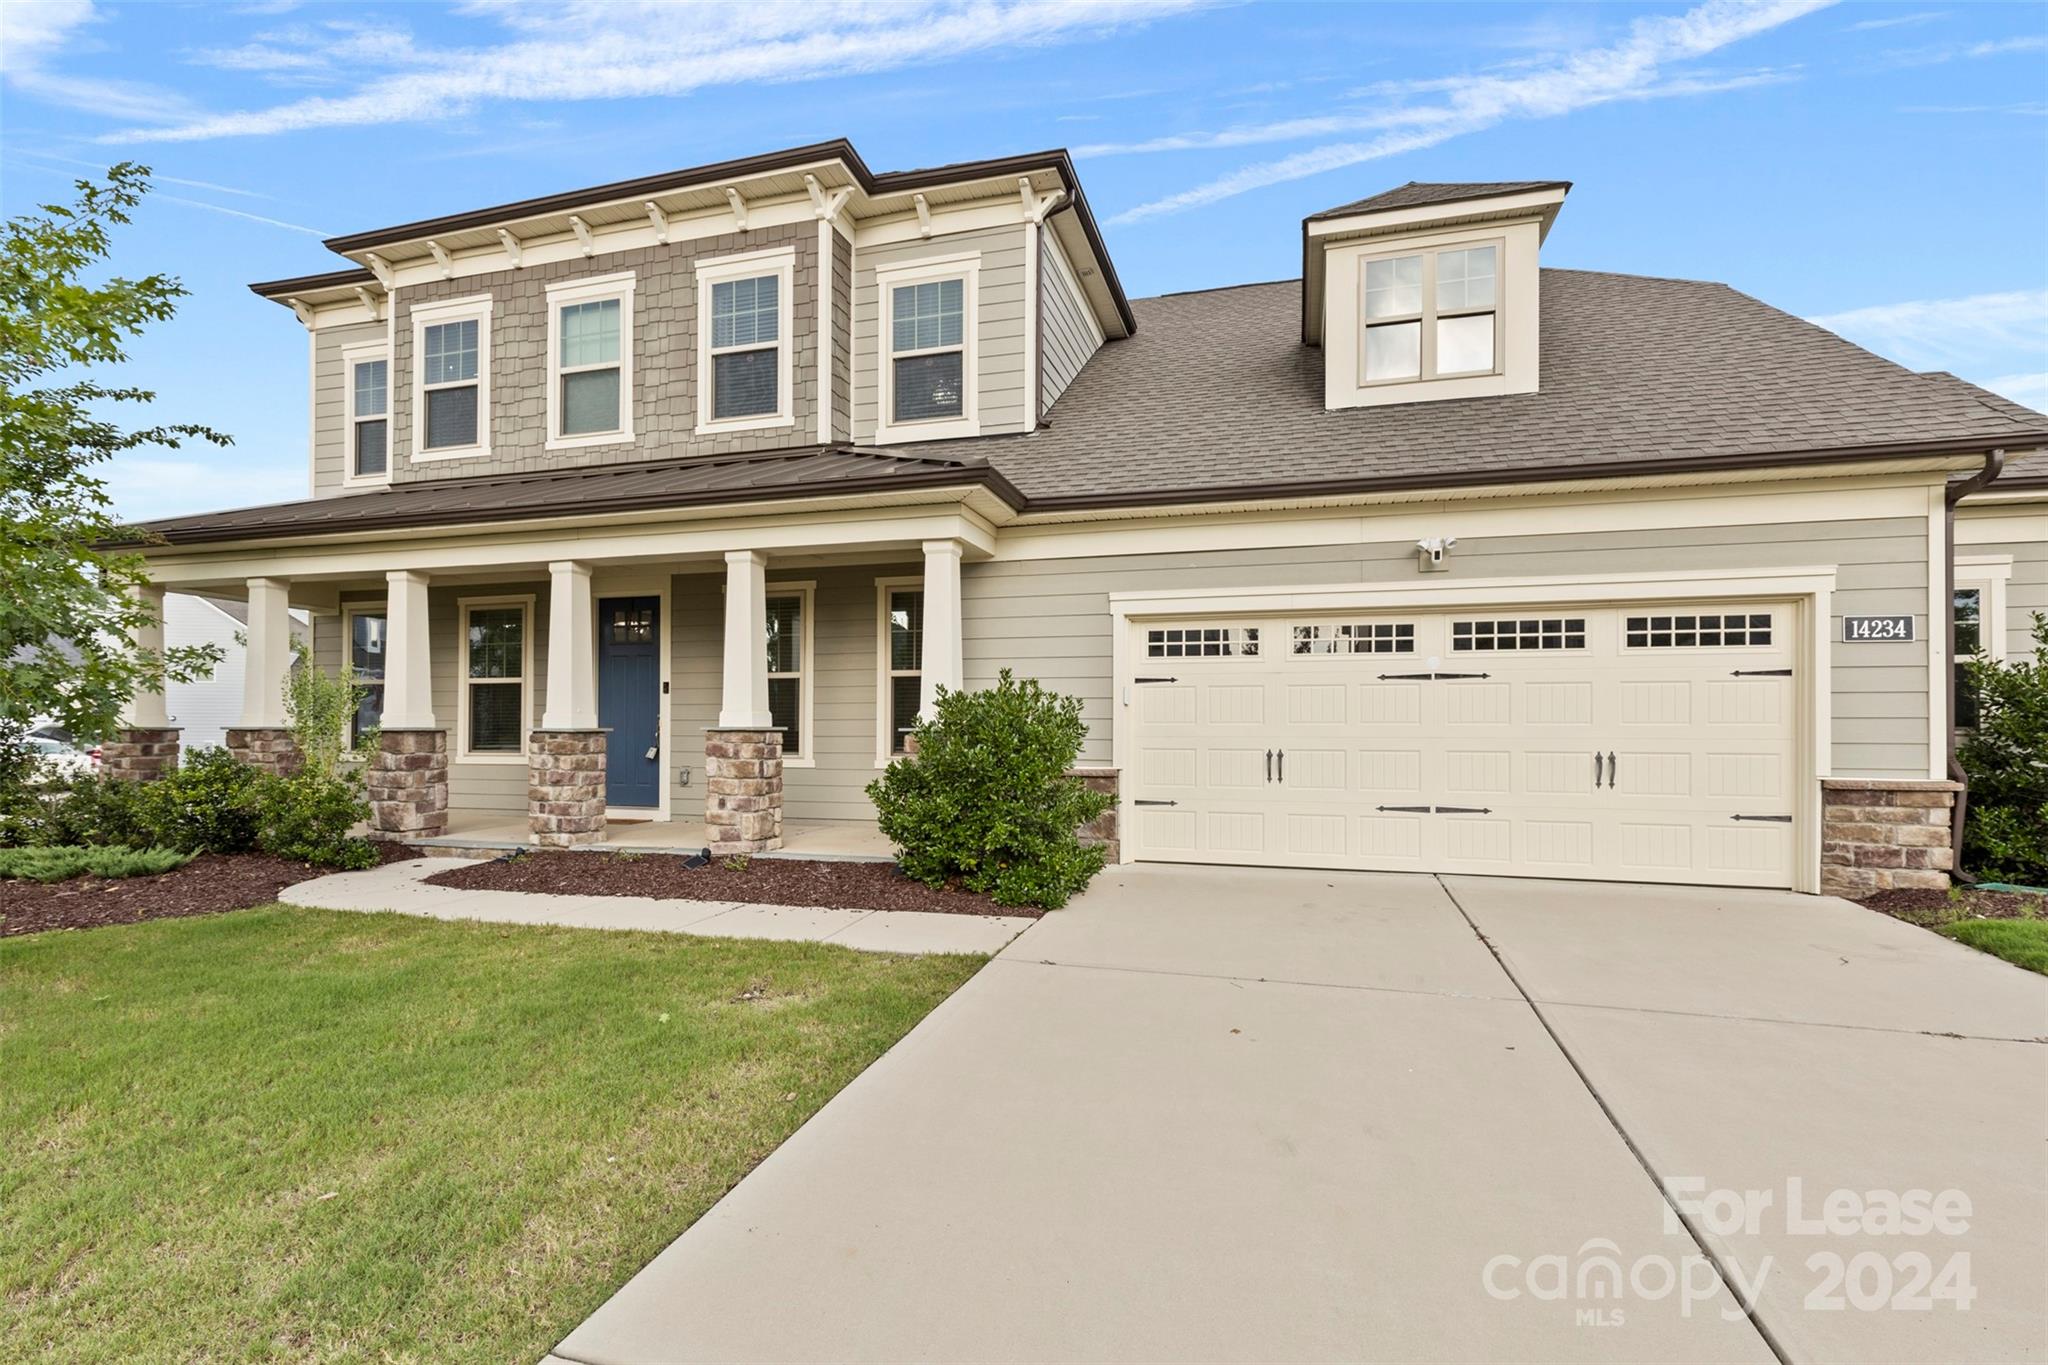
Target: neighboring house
{"type": "Point", "coordinates": [1430, 560]}
{"type": "Point", "coordinates": [204, 711]}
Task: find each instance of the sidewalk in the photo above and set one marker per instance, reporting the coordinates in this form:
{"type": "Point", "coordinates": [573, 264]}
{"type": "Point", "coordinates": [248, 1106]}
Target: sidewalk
{"type": "Point", "coordinates": [402, 887]}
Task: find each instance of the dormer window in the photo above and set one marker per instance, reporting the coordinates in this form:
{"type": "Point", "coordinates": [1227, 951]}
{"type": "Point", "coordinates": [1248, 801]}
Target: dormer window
{"type": "Point", "coordinates": [928, 346]}
{"type": "Point", "coordinates": [1430, 315]}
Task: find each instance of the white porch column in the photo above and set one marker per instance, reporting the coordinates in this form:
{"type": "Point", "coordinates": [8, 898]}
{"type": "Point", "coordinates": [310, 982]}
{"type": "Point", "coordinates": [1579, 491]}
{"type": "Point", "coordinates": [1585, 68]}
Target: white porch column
{"type": "Point", "coordinates": [408, 675]}
{"type": "Point", "coordinates": [572, 649]}
{"type": "Point", "coordinates": [745, 704]}
{"type": "Point", "coordinates": [941, 665]}
{"type": "Point", "coordinates": [147, 710]}
{"type": "Point", "coordinates": [270, 654]}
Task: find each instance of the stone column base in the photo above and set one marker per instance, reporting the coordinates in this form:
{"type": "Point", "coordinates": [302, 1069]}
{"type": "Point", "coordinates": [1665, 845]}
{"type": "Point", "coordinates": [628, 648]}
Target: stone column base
{"type": "Point", "coordinates": [743, 790]}
{"type": "Point", "coordinates": [1103, 829]}
{"type": "Point", "coordinates": [407, 785]}
{"type": "Point", "coordinates": [269, 749]}
{"type": "Point", "coordinates": [565, 787]}
{"type": "Point", "coordinates": [140, 755]}
{"type": "Point", "coordinates": [1878, 834]}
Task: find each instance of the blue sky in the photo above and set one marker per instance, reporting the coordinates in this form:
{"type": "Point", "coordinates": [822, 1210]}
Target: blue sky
{"type": "Point", "coordinates": [1881, 168]}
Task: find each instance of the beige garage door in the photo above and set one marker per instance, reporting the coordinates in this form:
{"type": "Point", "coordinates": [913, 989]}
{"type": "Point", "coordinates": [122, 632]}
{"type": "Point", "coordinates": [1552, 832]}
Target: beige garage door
{"type": "Point", "coordinates": [1636, 744]}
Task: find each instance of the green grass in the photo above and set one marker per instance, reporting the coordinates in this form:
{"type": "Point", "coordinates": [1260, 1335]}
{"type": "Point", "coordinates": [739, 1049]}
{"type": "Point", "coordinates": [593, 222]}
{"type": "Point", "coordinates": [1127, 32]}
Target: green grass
{"type": "Point", "coordinates": [2022, 942]}
{"type": "Point", "coordinates": [320, 1136]}
{"type": "Point", "coordinates": [58, 864]}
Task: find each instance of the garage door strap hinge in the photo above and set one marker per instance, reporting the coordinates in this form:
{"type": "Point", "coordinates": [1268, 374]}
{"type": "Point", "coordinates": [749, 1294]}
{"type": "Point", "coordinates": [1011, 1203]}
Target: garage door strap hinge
{"type": "Point", "coordinates": [1146, 680]}
{"type": "Point", "coordinates": [1155, 803]}
{"type": "Point", "coordinates": [1428, 677]}
{"type": "Point", "coordinates": [1772, 819]}
{"type": "Point", "coordinates": [1464, 810]}
{"type": "Point", "coordinates": [1412, 810]}
{"type": "Point", "coordinates": [1761, 673]}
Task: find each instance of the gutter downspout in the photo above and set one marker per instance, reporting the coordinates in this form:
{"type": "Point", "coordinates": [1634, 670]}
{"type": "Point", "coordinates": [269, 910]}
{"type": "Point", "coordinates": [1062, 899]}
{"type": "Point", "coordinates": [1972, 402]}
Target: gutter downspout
{"type": "Point", "coordinates": [1994, 464]}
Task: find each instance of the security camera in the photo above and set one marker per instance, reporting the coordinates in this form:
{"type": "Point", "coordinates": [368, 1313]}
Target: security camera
{"type": "Point", "coordinates": [1431, 550]}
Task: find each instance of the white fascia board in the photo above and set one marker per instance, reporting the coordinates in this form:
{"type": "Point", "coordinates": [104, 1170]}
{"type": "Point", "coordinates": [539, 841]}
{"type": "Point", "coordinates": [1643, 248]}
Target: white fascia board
{"type": "Point", "coordinates": [1529, 203]}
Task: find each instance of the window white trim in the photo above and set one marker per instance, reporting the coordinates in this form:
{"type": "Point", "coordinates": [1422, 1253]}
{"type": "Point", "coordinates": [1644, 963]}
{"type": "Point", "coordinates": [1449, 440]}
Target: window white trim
{"type": "Point", "coordinates": [527, 709]}
{"type": "Point", "coordinates": [427, 315]}
{"type": "Point", "coordinates": [593, 290]}
{"type": "Point", "coordinates": [781, 263]}
{"type": "Point", "coordinates": [806, 674]}
{"type": "Point", "coordinates": [885, 752]}
{"type": "Point", "coordinates": [965, 267]}
{"type": "Point", "coordinates": [1429, 315]}
{"type": "Point", "coordinates": [1987, 574]}
{"type": "Point", "coordinates": [352, 356]}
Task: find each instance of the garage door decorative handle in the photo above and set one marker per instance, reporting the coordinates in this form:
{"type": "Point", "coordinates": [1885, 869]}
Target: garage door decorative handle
{"type": "Point", "coordinates": [1596, 770]}
{"type": "Point", "coordinates": [1611, 765]}
{"type": "Point", "coordinates": [1269, 765]}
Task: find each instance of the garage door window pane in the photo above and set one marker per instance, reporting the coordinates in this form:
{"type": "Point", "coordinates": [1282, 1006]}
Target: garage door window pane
{"type": "Point", "coordinates": [1695, 630]}
{"type": "Point", "coordinates": [1521, 634]}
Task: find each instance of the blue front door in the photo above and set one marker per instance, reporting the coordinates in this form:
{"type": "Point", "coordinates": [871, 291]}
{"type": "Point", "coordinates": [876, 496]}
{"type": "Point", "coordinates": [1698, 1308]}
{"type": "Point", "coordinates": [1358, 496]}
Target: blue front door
{"type": "Point", "coordinates": [629, 698]}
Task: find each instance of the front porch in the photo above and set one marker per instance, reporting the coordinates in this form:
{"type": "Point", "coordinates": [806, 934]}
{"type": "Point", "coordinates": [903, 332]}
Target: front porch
{"type": "Point", "coordinates": [826, 840]}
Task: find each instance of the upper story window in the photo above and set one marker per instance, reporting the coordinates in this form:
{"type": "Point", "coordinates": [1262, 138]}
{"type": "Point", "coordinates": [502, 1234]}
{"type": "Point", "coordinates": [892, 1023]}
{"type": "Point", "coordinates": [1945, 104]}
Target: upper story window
{"type": "Point", "coordinates": [744, 371]}
{"type": "Point", "coordinates": [927, 351]}
{"type": "Point", "coordinates": [590, 362]}
{"type": "Point", "coordinates": [928, 345]}
{"type": "Point", "coordinates": [1431, 315]}
{"type": "Point", "coordinates": [451, 392]}
{"type": "Point", "coordinates": [367, 427]}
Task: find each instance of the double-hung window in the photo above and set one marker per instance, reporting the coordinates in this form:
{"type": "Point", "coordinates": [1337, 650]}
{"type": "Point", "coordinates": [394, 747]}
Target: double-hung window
{"type": "Point", "coordinates": [902, 644]}
{"type": "Point", "coordinates": [496, 669]}
{"type": "Point", "coordinates": [1432, 315]}
{"type": "Point", "coordinates": [367, 431]}
{"type": "Point", "coordinates": [452, 362]}
{"type": "Point", "coordinates": [744, 370]}
{"type": "Point", "coordinates": [1980, 612]}
{"type": "Point", "coordinates": [366, 650]}
{"type": "Point", "coordinates": [590, 362]}
{"type": "Point", "coordinates": [927, 349]}
{"type": "Point", "coordinates": [789, 654]}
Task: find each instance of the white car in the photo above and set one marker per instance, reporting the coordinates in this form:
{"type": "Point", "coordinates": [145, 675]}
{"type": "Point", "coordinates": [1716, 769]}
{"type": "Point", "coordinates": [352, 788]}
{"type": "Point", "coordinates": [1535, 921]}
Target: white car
{"type": "Point", "coordinates": [57, 761]}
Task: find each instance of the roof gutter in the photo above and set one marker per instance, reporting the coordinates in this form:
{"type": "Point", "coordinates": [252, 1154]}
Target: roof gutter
{"type": "Point", "coordinates": [1959, 814]}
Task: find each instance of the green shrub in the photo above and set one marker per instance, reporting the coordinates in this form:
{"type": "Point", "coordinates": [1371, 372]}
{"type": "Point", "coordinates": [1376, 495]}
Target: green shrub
{"type": "Point", "coordinates": [210, 803]}
{"type": "Point", "coordinates": [100, 810]}
{"type": "Point", "coordinates": [987, 800]}
{"type": "Point", "coordinates": [60, 863]}
{"type": "Point", "coordinates": [307, 818]}
{"type": "Point", "coordinates": [2006, 757]}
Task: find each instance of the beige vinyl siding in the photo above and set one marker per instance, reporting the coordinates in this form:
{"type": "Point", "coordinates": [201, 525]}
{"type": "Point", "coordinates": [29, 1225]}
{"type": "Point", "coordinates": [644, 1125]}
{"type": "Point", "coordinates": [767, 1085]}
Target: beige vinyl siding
{"type": "Point", "coordinates": [999, 367]}
{"type": "Point", "coordinates": [330, 402]}
{"type": "Point", "coordinates": [841, 674]}
{"type": "Point", "coordinates": [1049, 618]}
{"type": "Point", "coordinates": [1070, 331]}
{"type": "Point", "coordinates": [2026, 592]}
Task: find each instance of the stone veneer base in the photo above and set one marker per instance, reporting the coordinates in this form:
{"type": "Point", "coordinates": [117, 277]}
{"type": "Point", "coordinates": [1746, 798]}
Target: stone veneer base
{"type": "Point", "coordinates": [1877, 835]}
{"type": "Point", "coordinates": [407, 785]}
{"type": "Point", "coordinates": [1103, 829]}
{"type": "Point", "coordinates": [565, 777]}
{"type": "Point", "coordinates": [270, 749]}
{"type": "Point", "coordinates": [140, 755]}
{"type": "Point", "coordinates": [743, 790]}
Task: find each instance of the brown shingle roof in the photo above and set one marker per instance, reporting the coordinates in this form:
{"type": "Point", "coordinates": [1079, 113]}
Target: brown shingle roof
{"type": "Point", "coordinates": [1417, 193]}
{"type": "Point", "coordinates": [2022, 470]}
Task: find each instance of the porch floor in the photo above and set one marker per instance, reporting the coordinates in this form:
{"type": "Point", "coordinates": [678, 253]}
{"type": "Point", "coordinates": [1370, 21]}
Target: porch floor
{"type": "Point", "coordinates": [847, 840]}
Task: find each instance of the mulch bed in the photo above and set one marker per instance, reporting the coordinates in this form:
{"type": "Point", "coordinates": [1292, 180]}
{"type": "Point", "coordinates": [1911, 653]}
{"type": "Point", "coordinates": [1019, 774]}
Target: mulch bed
{"type": "Point", "coordinates": [1927, 906]}
{"type": "Point", "coordinates": [211, 884]}
{"type": "Point", "coordinates": [757, 881]}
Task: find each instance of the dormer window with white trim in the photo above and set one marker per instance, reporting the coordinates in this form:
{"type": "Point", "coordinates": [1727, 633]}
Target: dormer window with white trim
{"type": "Point", "coordinates": [452, 379]}
{"type": "Point", "coordinates": [744, 343]}
{"type": "Point", "coordinates": [590, 362]}
{"type": "Point", "coordinates": [366, 422]}
{"type": "Point", "coordinates": [928, 347]}
{"type": "Point", "coordinates": [1431, 315]}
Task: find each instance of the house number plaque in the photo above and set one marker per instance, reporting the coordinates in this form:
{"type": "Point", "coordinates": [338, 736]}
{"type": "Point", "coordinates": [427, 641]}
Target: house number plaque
{"type": "Point", "coordinates": [1857, 630]}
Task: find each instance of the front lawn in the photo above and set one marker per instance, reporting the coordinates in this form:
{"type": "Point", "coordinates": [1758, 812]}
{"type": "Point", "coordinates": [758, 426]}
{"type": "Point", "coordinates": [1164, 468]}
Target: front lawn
{"type": "Point", "coordinates": [2022, 942]}
{"type": "Point", "coordinates": [322, 1135]}
{"type": "Point", "coordinates": [2008, 924]}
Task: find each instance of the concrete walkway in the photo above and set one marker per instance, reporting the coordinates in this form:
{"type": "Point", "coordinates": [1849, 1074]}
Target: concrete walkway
{"type": "Point", "coordinates": [402, 887]}
{"type": "Point", "coordinates": [1234, 1115]}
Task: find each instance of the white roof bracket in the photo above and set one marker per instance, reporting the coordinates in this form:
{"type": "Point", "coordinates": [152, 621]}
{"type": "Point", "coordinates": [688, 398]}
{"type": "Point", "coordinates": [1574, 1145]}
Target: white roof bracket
{"type": "Point", "coordinates": [301, 311]}
{"type": "Point", "coordinates": [1036, 206]}
{"type": "Point", "coordinates": [369, 302]}
{"type": "Point", "coordinates": [739, 208]}
{"type": "Point", "coordinates": [381, 268]}
{"type": "Point", "coordinates": [583, 235]}
{"type": "Point", "coordinates": [443, 259]}
{"type": "Point", "coordinates": [511, 245]}
{"type": "Point", "coordinates": [924, 216]}
{"type": "Point", "coordinates": [659, 219]}
{"type": "Point", "coordinates": [826, 206]}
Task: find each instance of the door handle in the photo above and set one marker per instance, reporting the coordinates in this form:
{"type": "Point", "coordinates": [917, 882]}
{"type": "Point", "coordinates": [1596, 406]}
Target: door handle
{"type": "Point", "coordinates": [1611, 768]}
{"type": "Point", "coordinates": [1596, 770]}
{"type": "Point", "coordinates": [1269, 765]}
{"type": "Point", "coordinates": [1283, 765]}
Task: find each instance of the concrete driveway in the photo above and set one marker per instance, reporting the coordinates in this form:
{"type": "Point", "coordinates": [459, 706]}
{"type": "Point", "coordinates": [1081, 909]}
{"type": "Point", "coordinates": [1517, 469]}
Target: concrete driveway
{"type": "Point", "coordinates": [1221, 1114]}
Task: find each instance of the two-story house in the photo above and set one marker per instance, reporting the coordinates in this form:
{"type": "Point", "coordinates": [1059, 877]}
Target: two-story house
{"type": "Point", "coordinates": [677, 500]}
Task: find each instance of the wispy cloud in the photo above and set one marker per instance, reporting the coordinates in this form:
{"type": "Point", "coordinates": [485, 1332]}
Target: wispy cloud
{"type": "Point", "coordinates": [238, 213]}
{"type": "Point", "coordinates": [156, 175]}
{"type": "Point", "coordinates": [597, 49]}
{"type": "Point", "coordinates": [2030, 389]}
{"type": "Point", "coordinates": [1925, 16]}
{"type": "Point", "coordinates": [1965, 335]}
{"type": "Point", "coordinates": [1633, 68]}
{"type": "Point", "coordinates": [1942, 54]}
{"type": "Point", "coordinates": [32, 32]}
